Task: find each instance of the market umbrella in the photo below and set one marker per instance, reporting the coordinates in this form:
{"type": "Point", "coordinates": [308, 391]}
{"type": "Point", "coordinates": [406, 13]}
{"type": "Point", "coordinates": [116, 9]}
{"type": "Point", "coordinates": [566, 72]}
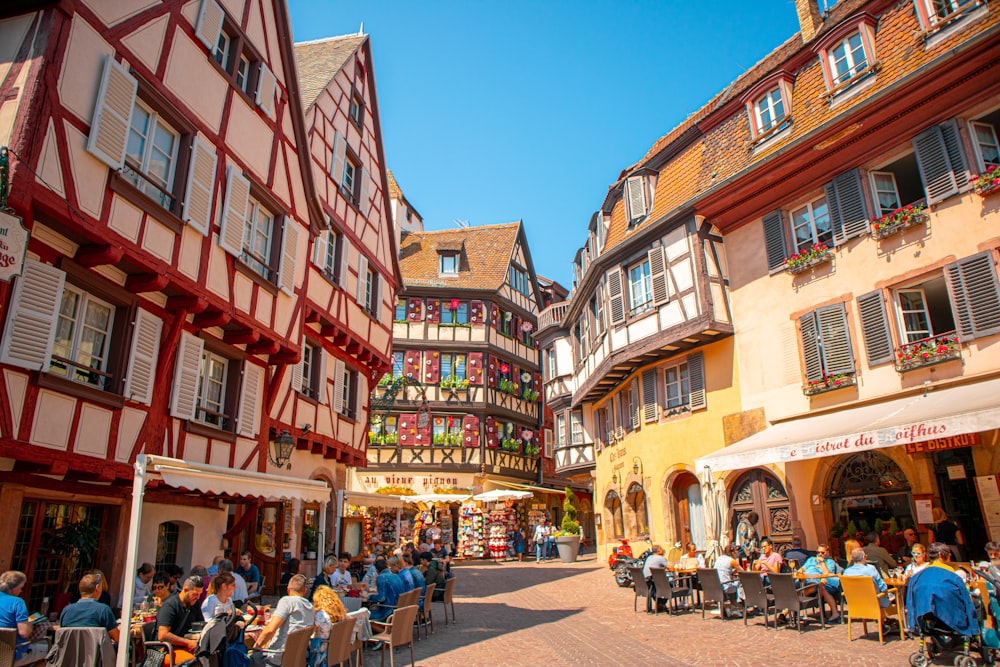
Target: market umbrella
{"type": "Point", "coordinates": [431, 498]}
{"type": "Point", "coordinates": [708, 502]}
{"type": "Point", "coordinates": [497, 495]}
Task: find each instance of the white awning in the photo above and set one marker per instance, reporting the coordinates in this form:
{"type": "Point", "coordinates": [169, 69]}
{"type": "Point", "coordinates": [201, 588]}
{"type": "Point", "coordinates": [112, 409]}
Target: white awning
{"type": "Point", "coordinates": [939, 413]}
{"type": "Point", "coordinates": [431, 498]}
{"type": "Point", "coordinates": [502, 494]}
{"type": "Point", "coordinates": [365, 499]}
{"type": "Point", "coordinates": [238, 483]}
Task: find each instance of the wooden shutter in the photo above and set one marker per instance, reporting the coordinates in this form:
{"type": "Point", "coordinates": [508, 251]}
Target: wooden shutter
{"type": "Point", "coordinates": [835, 339]}
{"type": "Point", "coordinates": [323, 384]}
{"type": "Point", "coordinates": [477, 312]}
{"type": "Point", "coordinates": [810, 346]}
{"type": "Point", "coordinates": [338, 158]}
{"type": "Point", "coordinates": [975, 295]}
{"type": "Point", "coordinates": [362, 280]}
{"type": "Point", "coordinates": [113, 114]}
{"type": "Point", "coordinates": [364, 201]}
{"type": "Point", "coordinates": [407, 429]}
{"type": "Point", "coordinates": [649, 395]}
{"type": "Point", "coordinates": [432, 367]}
{"type": "Point", "coordinates": [536, 384]}
{"type": "Point", "coordinates": [475, 373]}
{"type": "Point", "coordinates": [615, 296]}
{"type": "Point", "coordinates": [320, 244]}
{"type": "Point", "coordinates": [423, 436]}
{"type": "Point", "coordinates": [696, 381]}
{"type": "Point", "coordinates": [494, 317]}
{"type": "Point", "coordinates": [248, 422]}
{"type": "Point", "coordinates": [658, 274]}
{"type": "Point", "coordinates": [491, 371]}
{"type": "Point", "coordinates": [298, 369]}
{"type": "Point", "coordinates": [774, 240]}
{"type": "Point", "coordinates": [267, 88]}
{"type": "Point", "coordinates": [940, 159]}
{"type": "Point", "coordinates": [376, 307]}
{"type": "Point", "coordinates": [339, 370]}
{"type": "Point", "coordinates": [141, 375]}
{"type": "Point", "coordinates": [234, 212]}
{"type": "Point", "coordinates": [34, 310]}
{"type": "Point", "coordinates": [200, 186]}
{"type": "Point", "coordinates": [492, 435]}
{"type": "Point", "coordinates": [846, 200]}
{"type": "Point", "coordinates": [411, 364]}
{"type": "Point", "coordinates": [415, 310]}
{"type": "Point", "coordinates": [209, 24]}
{"type": "Point", "coordinates": [289, 248]}
{"type": "Point", "coordinates": [634, 403]}
{"type": "Point", "coordinates": [470, 431]}
{"type": "Point", "coordinates": [187, 368]}
{"type": "Point", "coordinates": [875, 328]}
{"type": "Point", "coordinates": [345, 260]}
{"type": "Point", "coordinates": [433, 313]}
{"type": "Point", "coordinates": [635, 196]}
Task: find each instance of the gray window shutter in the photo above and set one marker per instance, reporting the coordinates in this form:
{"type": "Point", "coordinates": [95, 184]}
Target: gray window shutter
{"type": "Point", "coordinates": [296, 370]}
{"type": "Point", "coordinates": [875, 328]}
{"type": "Point", "coordinates": [267, 88]}
{"type": "Point", "coordinates": [696, 380]}
{"type": "Point", "coordinates": [234, 212]}
{"type": "Point", "coordinates": [635, 195]}
{"type": "Point", "coordinates": [339, 368]}
{"type": "Point", "coordinates": [810, 346]}
{"type": "Point", "coordinates": [112, 119]}
{"type": "Point", "coordinates": [848, 213]}
{"type": "Point", "coordinates": [362, 281]}
{"type": "Point", "coordinates": [365, 200]}
{"type": "Point", "coordinates": [187, 369]}
{"type": "Point", "coordinates": [615, 297]}
{"type": "Point", "coordinates": [658, 274]}
{"type": "Point", "coordinates": [339, 155]}
{"type": "Point", "coordinates": [649, 395]}
{"type": "Point", "coordinates": [248, 423]}
{"type": "Point", "coordinates": [32, 316]}
{"type": "Point", "coordinates": [633, 393]}
{"type": "Point", "coordinates": [975, 295]}
{"type": "Point", "coordinates": [942, 165]}
{"type": "Point", "coordinates": [345, 260]}
{"type": "Point", "coordinates": [835, 339]}
{"type": "Point", "coordinates": [142, 360]}
{"type": "Point", "coordinates": [289, 249]}
{"type": "Point", "coordinates": [774, 240]}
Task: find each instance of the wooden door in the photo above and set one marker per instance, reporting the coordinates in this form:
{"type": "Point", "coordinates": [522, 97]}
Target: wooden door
{"type": "Point", "coordinates": [759, 491]}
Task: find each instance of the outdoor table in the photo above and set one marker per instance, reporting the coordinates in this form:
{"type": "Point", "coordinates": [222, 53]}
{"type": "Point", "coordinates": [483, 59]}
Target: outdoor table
{"type": "Point", "coordinates": [362, 628]}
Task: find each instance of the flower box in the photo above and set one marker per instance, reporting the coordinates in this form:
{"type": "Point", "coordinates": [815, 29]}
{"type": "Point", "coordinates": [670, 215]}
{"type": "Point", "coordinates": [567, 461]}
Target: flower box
{"type": "Point", "coordinates": [897, 221]}
{"type": "Point", "coordinates": [928, 352]}
{"type": "Point", "coordinates": [987, 183]}
{"type": "Point", "coordinates": [829, 383]}
{"type": "Point", "coordinates": [804, 261]}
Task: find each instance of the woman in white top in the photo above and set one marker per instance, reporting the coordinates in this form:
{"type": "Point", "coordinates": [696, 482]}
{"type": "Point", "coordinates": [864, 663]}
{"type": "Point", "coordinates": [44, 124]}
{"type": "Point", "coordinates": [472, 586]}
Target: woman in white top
{"type": "Point", "coordinates": [918, 556]}
{"type": "Point", "coordinates": [727, 566]}
{"type": "Point", "coordinates": [329, 610]}
{"type": "Point", "coordinates": [220, 596]}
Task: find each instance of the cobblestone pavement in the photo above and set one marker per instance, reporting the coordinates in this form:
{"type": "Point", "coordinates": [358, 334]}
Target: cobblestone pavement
{"type": "Point", "coordinates": [555, 614]}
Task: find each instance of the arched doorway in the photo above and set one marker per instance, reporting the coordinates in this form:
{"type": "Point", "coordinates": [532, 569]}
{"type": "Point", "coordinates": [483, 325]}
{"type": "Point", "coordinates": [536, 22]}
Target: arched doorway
{"type": "Point", "coordinates": [689, 512]}
{"type": "Point", "coordinates": [637, 501]}
{"type": "Point", "coordinates": [613, 503]}
{"type": "Point", "coordinates": [759, 491]}
{"type": "Point", "coordinates": [866, 488]}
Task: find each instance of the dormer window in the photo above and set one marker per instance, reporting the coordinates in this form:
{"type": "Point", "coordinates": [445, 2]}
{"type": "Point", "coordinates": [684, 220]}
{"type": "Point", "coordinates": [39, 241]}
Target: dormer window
{"type": "Point", "coordinates": [847, 53]}
{"type": "Point", "coordinates": [449, 263]}
{"type": "Point", "coordinates": [769, 105]}
{"type": "Point", "coordinates": [638, 197]}
{"type": "Point", "coordinates": [848, 59]}
{"type": "Point", "coordinates": [935, 15]}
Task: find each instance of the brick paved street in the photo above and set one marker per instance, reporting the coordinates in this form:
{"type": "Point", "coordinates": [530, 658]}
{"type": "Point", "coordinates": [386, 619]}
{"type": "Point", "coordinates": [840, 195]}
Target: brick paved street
{"type": "Point", "coordinates": [555, 614]}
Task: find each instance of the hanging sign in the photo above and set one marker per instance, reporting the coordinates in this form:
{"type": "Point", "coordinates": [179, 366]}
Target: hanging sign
{"type": "Point", "coordinates": [423, 416]}
{"type": "Point", "coordinates": [13, 246]}
{"type": "Point", "coordinates": [936, 445]}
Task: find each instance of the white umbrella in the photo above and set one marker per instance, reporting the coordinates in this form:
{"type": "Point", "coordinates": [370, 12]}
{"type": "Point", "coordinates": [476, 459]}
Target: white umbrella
{"type": "Point", "coordinates": [431, 498]}
{"type": "Point", "coordinates": [708, 502]}
{"type": "Point", "coordinates": [502, 494]}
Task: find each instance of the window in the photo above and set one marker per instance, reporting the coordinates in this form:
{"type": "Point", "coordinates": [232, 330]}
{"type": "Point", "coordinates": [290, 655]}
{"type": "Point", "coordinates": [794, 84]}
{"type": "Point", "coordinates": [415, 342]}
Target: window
{"type": "Point", "coordinates": [166, 544]}
{"type": "Point", "coordinates": [82, 338]}
{"type": "Point", "coordinates": [258, 237]}
{"type": "Point", "coordinates": [454, 312]}
{"type": "Point", "coordinates": [769, 110]}
{"type": "Point", "coordinates": [211, 403]}
{"type": "Point", "coordinates": [576, 428]}
{"type": "Point", "coordinates": [221, 51]}
{"type": "Point", "coordinates": [640, 287]}
{"type": "Point", "coordinates": [357, 109]}
{"type": "Point", "coordinates": [151, 155]}
{"type": "Point", "coordinates": [848, 59]}
{"type": "Point", "coordinates": [518, 280]}
{"type": "Point", "coordinates": [349, 180]}
{"type": "Point", "coordinates": [448, 263]}
{"type": "Point", "coordinates": [826, 343]}
{"type": "Point", "coordinates": [847, 54]}
{"type": "Point", "coordinates": [637, 499]}
{"type": "Point", "coordinates": [397, 364]}
{"type": "Point", "coordinates": [329, 256]}
{"type": "Point", "coordinates": [399, 314]}
{"type": "Point", "coordinates": [984, 138]}
{"type": "Point", "coordinates": [370, 287]}
{"type": "Point", "coordinates": [348, 172]}
{"type": "Point", "coordinates": [811, 224]}
{"type": "Point", "coordinates": [942, 12]}
{"type": "Point", "coordinates": [637, 198]}
{"type": "Point", "coordinates": [896, 184]}
{"type": "Point", "coordinates": [613, 503]}
{"type": "Point", "coordinates": [231, 50]}
{"type": "Point", "coordinates": [453, 367]}
{"type": "Point", "coordinates": [312, 370]}
{"type": "Point", "coordinates": [438, 425]}
{"type": "Point", "coordinates": [347, 386]}
{"type": "Point", "coordinates": [242, 74]}
{"type": "Point", "coordinates": [550, 364]}
{"type": "Point", "coordinates": [560, 430]}
{"type": "Point", "coordinates": [923, 309]}
{"type": "Point", "coordinates": [678, 386]}
{"type": "Point", "coordinates": [505, 325]}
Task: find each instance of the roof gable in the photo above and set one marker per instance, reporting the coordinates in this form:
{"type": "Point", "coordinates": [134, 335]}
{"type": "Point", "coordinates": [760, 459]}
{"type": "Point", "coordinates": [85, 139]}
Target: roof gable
{"type": "Point", "coordinates": [320, 60]}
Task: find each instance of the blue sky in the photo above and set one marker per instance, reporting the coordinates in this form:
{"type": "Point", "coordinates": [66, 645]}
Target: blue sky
{"type": "Point", "coordinates": [498, 111]}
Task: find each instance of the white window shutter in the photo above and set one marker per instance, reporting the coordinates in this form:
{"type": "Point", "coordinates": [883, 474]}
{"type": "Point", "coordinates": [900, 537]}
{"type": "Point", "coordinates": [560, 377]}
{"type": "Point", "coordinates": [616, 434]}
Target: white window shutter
{"type": "Point", "coordinates": [142, 360]}
{"type": "Point", "coordinates": [319, 250]}
{"type": "Point", "coordinates": [289, 248]}
{"type": "Point", "coordinates": [658, 274]}
{"type": "Point", "coordinates": [34, 310]}
{"type": "Point", "coordinates": [377, 307]}
{"type": "Point", "coordinates": [322, 391]}
{"type": "Point", "coordinates": [339, 155]}
{"type": "Point", "coordinates": [635, 194]}
{"type": "Point", "coordinates": [200, 185]}
{"type": "Point", "coordinates": [248, 423]}
{"type": "Point", "coordinates": [616, 297]}
{"type": "Point", "coordinates": [362, 279]}
{"type": "Point", "coordinates": [267, 88]}
{"type": "Point", "coordinates": [209, 23]}
{"type": "Point", "coordinates": [187, 368]}
{"type": "Point", "coordinates": [345, 260]}
{"type": "Point", "coordinates": [338, 386]}
{"type": "Point", "coordinates": [234, 212]}
{"type": "Point", "coordinates": [298, 368]}
{"type": "Point", "coordinates": [112, 114]}
{"type": "Point", "coordinates": [366, 180]}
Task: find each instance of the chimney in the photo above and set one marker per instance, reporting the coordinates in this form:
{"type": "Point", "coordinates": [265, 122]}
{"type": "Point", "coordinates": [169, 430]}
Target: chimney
{"type": "Point", "coordinates": [810, 19]}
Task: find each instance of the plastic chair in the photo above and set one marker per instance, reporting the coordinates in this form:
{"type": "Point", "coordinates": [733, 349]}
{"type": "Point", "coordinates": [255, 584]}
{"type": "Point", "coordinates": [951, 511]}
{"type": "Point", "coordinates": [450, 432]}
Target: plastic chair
{"type": "Point", "coordinates": [398, 632]}
{"type": "Point", "coordinates": [712, 591]}
{"type": "Point", "coordinates": [795, 600]}
{"type": "Point", "coordinates": [755, 595]}
{"type": "Point", "coordinates": [668, 590]}
{"type": "Point", "coordinates": [339, 646]}
{"type": "Point", "coordinates": [863, 605]}
{"type": "Point", "coordinates": [641, 587]}
{"type": "Point", "coordinates": [449, 599]}
{"type": "Point", "coordinates": [425, 612]}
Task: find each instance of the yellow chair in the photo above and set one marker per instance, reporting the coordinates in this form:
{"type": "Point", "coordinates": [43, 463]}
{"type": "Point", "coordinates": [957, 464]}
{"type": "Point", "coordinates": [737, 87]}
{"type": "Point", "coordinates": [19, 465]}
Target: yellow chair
{"type": "Point", "coordinates": [863, 605]}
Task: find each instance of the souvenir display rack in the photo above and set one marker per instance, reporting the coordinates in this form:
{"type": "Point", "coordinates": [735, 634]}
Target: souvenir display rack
{"type": "Point", "coordinates": [500, 521]}
{"type": "Point", "coordinates": [471, 539]}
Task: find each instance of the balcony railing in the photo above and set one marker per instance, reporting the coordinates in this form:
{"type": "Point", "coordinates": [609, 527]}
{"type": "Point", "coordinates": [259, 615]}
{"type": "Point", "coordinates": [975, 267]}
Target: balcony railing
{"type": "Point", "coordinates": [829, 383]}
{"type": "Point", "coordinates": [928, 352]}
{"type": "Point", "coordinates": [574, 457]}
{"type": "Point", "coordinates": [553, 315]}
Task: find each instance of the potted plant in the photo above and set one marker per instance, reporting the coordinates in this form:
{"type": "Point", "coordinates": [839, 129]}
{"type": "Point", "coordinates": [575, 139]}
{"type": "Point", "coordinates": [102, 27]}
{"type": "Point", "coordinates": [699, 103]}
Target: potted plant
{"type": "Point", "coordinates": [568, 537]}
{"type": "Point", "coordinates": [900, 219]}
{"type": "Point", "coordinates": [987, 183]}
{"type": "Point", "coordinates": [310, 541]}
{"type": "Point", "coordinates": [805, 260]}
{"type": "Point", "coordinates": [77, 542]}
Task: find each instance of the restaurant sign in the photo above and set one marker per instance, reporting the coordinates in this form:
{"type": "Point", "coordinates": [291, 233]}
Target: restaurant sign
{"type": "Point", "coordinates": [13, 245]}
{"type": "Point", "coordinates": [938, 444]}
{"type": "Point", "coordinates": [420, 483]}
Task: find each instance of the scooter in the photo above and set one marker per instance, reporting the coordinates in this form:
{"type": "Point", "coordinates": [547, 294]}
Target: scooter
{"type": "Point", "coordinates": [619, 552]}
{"type": "Point", "coordinates": [623, 577]}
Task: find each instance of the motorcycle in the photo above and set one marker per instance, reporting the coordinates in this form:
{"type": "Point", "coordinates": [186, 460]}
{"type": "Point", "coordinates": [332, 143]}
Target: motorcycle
{"type": "Point", "coordinates": [623, 576]}
{"type": "Point", "coordinates": [619, 552]}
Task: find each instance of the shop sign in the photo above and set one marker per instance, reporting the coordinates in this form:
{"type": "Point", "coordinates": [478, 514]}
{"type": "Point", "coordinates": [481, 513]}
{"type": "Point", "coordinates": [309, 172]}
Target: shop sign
{"type": "Point", "coordinates": [419, 483]}
{"type": "Point", "coordinates": [938, 444]}
{"type": "Point", "coordinates": [13, 245]}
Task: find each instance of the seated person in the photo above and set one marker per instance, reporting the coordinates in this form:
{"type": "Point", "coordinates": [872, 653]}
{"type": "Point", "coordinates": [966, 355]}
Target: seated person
{"type": "Point", "coordinates": [396, 565]}
{"type": "Point", "coordinates": [160, 588]}
{"type": "Point", "coordinates": [14, 614]}
{"type": "Point", "coordinates": [174, 573]}
{"type": "Point", "coordinates": [292, 568]}
{"type": "Point", "coordinates": [341, 579]}
{"type": "Point", "coordinates": [912, 539]}
{"type": "Point", "coordinates": [860, 567]}
{"type": "Point", "coordinates": [797, 553]}
{"type": "Point", "coordinates": [691, 558]}
{"type": "Point", "coordinates": [292, 612]}
{"type": "Point", "coordinates": [822, 565]}
{"type": "Point", "coordinates": [175, 618]}
{"type": "Point", "coordinates": [329, 610]}
{"type": "Point", "coordinates": [433, 574]}
{"type": "Point", "coordinates": [249, 572]}
{"type": "Point", "coordinates": [90, 612]}
{"type": "Point", "coordinates": [918, 560]}
{"type": "Point", "coordinates": [441, 554]}
{"type": "Point", "coordinates": [939, 591]}
{"type": "Point", "coordinates": [770, 560]}
{"type": "Point", "coordinates": [942, 558]}
{"type": "Point", "coordinates": [656, 561]}
{"type": "Point", "coordinates": [390, 586]}
{"type": "Point", "coordinates": [416, 576]}
{"type": "Point", "coordinates": [220, 596]}
{"type": "Point", "coordinates": [876, 553]}
{"type": "Point", "coordinates": [105, 598]}
{"type": "Point", "coordinates": [727, 566]}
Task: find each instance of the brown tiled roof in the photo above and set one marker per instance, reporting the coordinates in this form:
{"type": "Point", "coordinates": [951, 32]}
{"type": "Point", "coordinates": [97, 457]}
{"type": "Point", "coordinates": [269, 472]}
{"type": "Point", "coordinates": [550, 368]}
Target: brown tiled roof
{"type": "Point", "coordinates": [482, 265]}
{"type": "Point", "coordinates": [394, 191]}
{"type": "Point", "coordinates": [319, 61]}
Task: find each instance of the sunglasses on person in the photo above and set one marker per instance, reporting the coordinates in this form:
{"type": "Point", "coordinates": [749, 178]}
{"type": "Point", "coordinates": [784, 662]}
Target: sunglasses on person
{"type": "Point", "coordinates": [159, 587]}
{"type": "Point", "coordinates": [821, 553]}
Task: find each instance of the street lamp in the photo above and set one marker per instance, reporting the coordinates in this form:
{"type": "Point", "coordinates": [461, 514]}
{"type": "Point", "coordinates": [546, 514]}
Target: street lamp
{"type": "Point", "coordinates": [640, 472]}
{"type": "Point", "coordinates": [617, 480]}
{"type": "Point", "coordinates": [279, 451]}
{"type": "Point", "coordinates": [638, 469]}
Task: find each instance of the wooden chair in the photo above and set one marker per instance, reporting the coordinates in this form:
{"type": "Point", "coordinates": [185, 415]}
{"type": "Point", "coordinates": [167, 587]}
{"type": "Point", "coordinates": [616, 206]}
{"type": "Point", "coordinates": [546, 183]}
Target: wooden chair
{"type": "Point", "coordinates": [425, 611]}
{"type": "Point", "coordinates": [712, 591]}
{"type": "Point", "coordinates": [296, 647]}
{"type": "Point", "coordinates": [669, 590]}
{"type": "Point", "coordinates": [863, 605]}
{"type": "Point", "coordinates": [449, 599]}
{"type": "Point", "coordinates": [755, 595]}
{"type": "Point", "coordinates": [339, 646]}
{"type": "Point", "coordinates": [795, 600]}
{"type": "Point", "coordinates": [641, 587]}
{"type": "Point", "coordinates": [398, 632]}
{"type": "Point", "coordinates": [8, 643]}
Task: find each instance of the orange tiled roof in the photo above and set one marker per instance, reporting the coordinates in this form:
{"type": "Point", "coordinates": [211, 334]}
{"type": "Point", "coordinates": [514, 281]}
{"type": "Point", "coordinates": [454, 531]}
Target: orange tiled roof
{"type": "Point", "coordinates": [483, 263]}
{"type": "Point", "coordinates": [319, 60]}
{"type": "Point", "coordinates": [394, 191]}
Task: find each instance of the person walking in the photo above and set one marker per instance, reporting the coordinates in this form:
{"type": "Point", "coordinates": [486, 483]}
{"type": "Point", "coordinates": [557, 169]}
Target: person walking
{"type": "Point", "coordinates": [542, 532]}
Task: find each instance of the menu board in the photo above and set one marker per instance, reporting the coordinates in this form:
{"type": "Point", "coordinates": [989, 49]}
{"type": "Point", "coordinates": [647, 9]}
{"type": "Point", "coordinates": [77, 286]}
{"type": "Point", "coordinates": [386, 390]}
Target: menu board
{"type": "Point", "coordinates": [989, 501]}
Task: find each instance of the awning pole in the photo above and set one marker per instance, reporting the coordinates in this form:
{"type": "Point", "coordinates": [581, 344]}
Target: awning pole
{"type": "Point", "coordinates": [399, 537]}
{"type": "Point", "coordinates": [131, 558]}
{"type": "Point", "coordinates": [321, 550]}
{"type": "Point", "coordinates": [340, 514]}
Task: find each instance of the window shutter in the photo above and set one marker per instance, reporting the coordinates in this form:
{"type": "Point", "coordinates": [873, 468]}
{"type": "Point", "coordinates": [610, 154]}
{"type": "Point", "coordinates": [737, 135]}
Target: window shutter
{"type": "Point", "coordinates": [494, 317]}
{"type": "Point", "coordinates": [634, 403]}
{"type": "Point", "coordinates": [234, 212]}
{"type": "Point", "coordinates": [774, 240]}
{"type": "Point", "coordinates": [940, 159]}
{"type": "Point", "coordinates": [433, 311]}
{"type": "Point", "coordinates": [248, 423]}
{"type": "Point", "coordinates": [363, 203]}
{"type": "Point", "coordinates": [615, 296]}
{"type": "Point", "coordinates": [345, 260]}
{"type": "Point", "coordinates": [187, 368]}
{"type": "Point", "coordinates": [289, 248]}
{"type": "Point", "coordinates": [376, 311]}
{"type": "Point", "coordinates": [658, 274]}
{"type": "Point", "coordinates": [320, 245]}
{"type": "Point", "coordinates": [696, 381]}
{"type": "Point", "coordinates": [362, 279]}
{"type": "Point", "coordinates": [475, 368]}
{"type": "Point", "coordinates": [34, 310]}
{"type": "Point", "coordinates": [649, 395]}
{"type": "Point", "coordinates": [142, 358]}
{"type": "Point", "coordinates": [848, 213]}
{"type": "Point", "coordinates": [297, 369]}
{"type": "Point", "coordinates": [339, 155]}
{"type": "Point", "coordinates": [810, 347]}
{"type": "Point", "coordinates": [470, 430]}
{"type": "Point", "coordinates": [491, 372]}
{"type": "Point", "coordinates": [424, 434]}
{"type": "Point", "coordinates": [338, 385]}
{"type": "Point", "coordinates": [477, 312]}
{"type": "Point", "coordinates": [975, 295]}
{"type": "Point", "coordinates": [322, 386]}
{"type": "Point", "coordinates": [113, 114]}
{"type": "Point", "coordinates": [432, 367]}
{"type": "Point", "coordinates": [492, 436]}
{"type": "Point", "coordinates": [415, 310]}
{"type": "Point", "coordinates": [411, 364]}
{"type": "Point", "coordinates": [267, 88]}
{"type": "Point", "coordinates": [875, 328]}
{"type": "Point", "coordinates": [835, 339]}
{"type": "Point", "coordinates": [407, 429]}
{"type": "Point", "coordinates": [635, 195]}
{"type": "Point", "coordinates": [200, 185]}
{"type": "Point", "coordinates": [209, 23]}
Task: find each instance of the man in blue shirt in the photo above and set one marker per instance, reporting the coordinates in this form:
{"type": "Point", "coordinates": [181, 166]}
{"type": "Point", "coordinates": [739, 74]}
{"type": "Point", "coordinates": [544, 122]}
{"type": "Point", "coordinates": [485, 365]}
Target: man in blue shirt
{"type": "Point", "coordinates": [860, 567]}
{"type": "Point", "coordinates": [89, 612]}
{"type": "Point", "coordinates": [14, 614]}
{"type": "Point", "coordinates": [390, 586]}
{"type": "Point", "coordinates": [249, 572]}
{"type": "Point", "coordinates": [821, 565]}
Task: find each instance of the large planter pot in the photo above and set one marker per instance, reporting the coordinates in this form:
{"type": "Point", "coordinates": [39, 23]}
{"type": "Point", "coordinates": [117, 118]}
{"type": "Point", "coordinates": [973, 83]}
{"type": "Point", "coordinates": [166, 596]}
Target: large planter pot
{"type": "Point", "coordinates": [569, 548]}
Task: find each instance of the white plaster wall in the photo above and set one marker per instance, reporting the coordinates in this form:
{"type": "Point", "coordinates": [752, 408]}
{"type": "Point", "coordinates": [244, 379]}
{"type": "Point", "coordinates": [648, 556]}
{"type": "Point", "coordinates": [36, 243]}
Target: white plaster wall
{"type": "Point", "coordinates": [203, 541]}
